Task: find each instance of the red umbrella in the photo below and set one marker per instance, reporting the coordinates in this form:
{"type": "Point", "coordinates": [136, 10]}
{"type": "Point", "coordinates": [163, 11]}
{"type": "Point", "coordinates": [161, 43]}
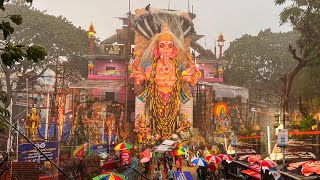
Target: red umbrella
{"type": "Point", "coordinates": [213, 158]}
{"type": "Point", "coordinates": [145, 159]}
{"type": "Point", "coordinates": [146, 153]}
{"type": "Point", "coordinates": [268, 163]}
{"type": "Point", "coordinates": [225, 157]}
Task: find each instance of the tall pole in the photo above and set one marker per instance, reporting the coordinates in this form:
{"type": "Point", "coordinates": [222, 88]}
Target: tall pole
{"type": "Point", "coordinates": [127, 59]}
{"type": "Point", "coordinates": [318, 137]}
{"type": "Point", "coordinates": [17, 140]}
{"type": "Point", "coordinates": [27, 88]}
{"type": "Point", "coordinates": [269, 140]}
{"type": "Point", "coordinates": [9, 142]}
{"type": "Point", "coordinates": [47, 118]}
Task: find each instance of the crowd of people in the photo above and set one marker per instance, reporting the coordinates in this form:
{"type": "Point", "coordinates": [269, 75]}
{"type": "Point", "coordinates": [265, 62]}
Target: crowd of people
{"type": "Point", "coordinates": [162, 165]}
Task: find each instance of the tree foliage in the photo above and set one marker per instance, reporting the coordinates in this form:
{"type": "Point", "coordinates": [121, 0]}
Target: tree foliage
{"type": "Point", "coordinates": [304, 16]}
{"type": "Point", "coordinates": [64, 42]}
{"type": "Point", "coordinates": [256, 62]}
{"type": "Point", "coordinates": [12, 52]}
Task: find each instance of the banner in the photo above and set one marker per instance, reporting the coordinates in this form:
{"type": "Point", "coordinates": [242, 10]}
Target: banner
{"type": "Point", "coordinates": [125, 157]}
{"type": "Point", "coordinates": [27, 152]}
{"type": "Point", "coordinates": [98, 149]}
{"type": "Point", "coordinates": [282, 137]}
{"type": "Point", "coordinates": [234, 141]}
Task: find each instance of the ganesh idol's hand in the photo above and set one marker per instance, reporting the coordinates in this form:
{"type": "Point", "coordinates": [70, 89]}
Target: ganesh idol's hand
{"type": "Point", "coordinates": [139, 76]}
{"type": "Point", "coordinates": [186, 77]}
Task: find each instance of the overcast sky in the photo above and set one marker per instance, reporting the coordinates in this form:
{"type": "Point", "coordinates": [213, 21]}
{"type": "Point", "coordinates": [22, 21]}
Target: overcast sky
{"type": "Point", "coordinates": [233, 18]}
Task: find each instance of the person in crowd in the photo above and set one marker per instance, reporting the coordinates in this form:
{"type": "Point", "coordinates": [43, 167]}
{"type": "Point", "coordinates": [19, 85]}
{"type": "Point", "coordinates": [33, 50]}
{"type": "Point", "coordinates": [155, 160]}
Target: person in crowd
{"type": "Point", "coordinates": [178, 164]}
{"type": "Point", "coordinates": [165, 171]}
{"type": "Point", "coordinates": [212, 170]}
{"type": "Point", "coordinates": [143, 170]}
{"type": "Point", "coordinates": [159, 173]}
{"type": "Point", "coordinates": [225, 169]}
{"type": "Point", "coordinates": [170, 174]}
{"type": "Point", "coordinates": [159, 162]}
{"type": "Point", "coordinates": [204, 172]}
{"type": "Point", "coordinates": [199, 173]}
{"type": "Point", "coordinates": [187, 157]}
{"type": "Point", "coordinates": [165, 162]}
{"type": "Point", "coordinates": [170, 163]}
{"type": "Point", "coordinates": [155, 173]}
{"type": "Point", "coordinates": [180, 160]}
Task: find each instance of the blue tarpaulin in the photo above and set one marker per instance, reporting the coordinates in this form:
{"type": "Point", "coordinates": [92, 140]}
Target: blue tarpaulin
{"type": "Point", "coordinates": [183, 175]}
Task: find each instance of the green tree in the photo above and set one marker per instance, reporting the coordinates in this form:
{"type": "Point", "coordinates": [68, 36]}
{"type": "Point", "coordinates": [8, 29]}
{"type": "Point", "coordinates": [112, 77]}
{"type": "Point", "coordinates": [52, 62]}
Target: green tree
{"type": "Point", "coordinates": [256, 62]}
{"type": "Point", "coordinates": [304, 16]}
{"type": "Point", "coordinates": [12, 52]}
{"type": "Point", "coordinates": [65, 44]}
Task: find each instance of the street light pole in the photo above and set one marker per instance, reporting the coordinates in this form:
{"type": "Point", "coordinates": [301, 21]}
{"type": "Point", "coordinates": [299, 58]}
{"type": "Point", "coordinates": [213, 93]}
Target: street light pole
{"type": "Point", "coordinates": [27, 89]}
{"type": "Point", "coordinates": [127, 59]}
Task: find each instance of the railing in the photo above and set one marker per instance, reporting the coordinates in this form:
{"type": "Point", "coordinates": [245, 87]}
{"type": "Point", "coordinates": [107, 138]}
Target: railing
{"type": "Point", "coordinates": [130, 173]}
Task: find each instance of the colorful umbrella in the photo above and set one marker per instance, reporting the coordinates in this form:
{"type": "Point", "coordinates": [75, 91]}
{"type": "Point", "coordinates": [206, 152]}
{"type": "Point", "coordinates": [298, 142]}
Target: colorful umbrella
{"type": "Point", "coordinates": [145, 159]}
{"type": "Point", "coordinates": [213, 158]}
{"type": "Point", "coordinates": [180, 151]}
{"type": "Point", "coordinates": [80, 152]}
{"type": "Point", "coordinates": [199, 162]}
{"type": "Point", "coordinates": [122, 146]}
{"type": "Point", "coordinates": [109, 176]}
{"type": "Point", "coordinates": [267, 163]}
{"type": "Point", "coordinates": [225, 157]}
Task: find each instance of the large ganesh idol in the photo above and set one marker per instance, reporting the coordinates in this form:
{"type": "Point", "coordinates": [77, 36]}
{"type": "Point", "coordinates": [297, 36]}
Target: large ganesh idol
{"type": "Point", "coordinates": [163, 74]}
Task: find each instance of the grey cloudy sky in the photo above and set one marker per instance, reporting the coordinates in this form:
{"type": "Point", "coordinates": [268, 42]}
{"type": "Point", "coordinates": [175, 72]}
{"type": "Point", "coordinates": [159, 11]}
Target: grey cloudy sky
{"type": "Point", "coordinates": [233, 18]}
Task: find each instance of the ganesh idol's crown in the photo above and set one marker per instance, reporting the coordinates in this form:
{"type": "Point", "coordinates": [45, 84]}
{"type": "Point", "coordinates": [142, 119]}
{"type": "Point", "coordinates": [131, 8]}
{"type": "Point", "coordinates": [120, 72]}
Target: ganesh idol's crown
{"type": "Point", "coordinates": [165, 34]}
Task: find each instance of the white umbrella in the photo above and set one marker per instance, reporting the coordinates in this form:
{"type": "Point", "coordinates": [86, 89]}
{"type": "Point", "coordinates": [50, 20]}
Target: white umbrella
{"type": "Point", "coordinates": [199, 162]}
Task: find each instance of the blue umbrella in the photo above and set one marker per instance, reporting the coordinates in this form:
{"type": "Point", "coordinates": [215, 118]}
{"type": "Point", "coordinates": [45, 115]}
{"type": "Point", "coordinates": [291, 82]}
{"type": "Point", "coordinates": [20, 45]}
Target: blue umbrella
{"type": "Point", "coordinates": [199, 162]}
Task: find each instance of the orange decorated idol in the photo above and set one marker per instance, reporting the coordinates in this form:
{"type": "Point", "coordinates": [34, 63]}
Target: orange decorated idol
{"type": "Point", "coordinates": [162, 69]}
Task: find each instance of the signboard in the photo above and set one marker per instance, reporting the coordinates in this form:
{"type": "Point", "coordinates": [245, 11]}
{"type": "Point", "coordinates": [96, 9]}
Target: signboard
{"type": "Point", "coordinates": [234, 141]}
{"type": "Point", "coordinates": [27, 152]}
{"type": "Point", "coordinates": [98, 149]}
{"type": "Point", "coordinates": [282, 137]}
{"type": "Point", "coordinates": [125, 157]}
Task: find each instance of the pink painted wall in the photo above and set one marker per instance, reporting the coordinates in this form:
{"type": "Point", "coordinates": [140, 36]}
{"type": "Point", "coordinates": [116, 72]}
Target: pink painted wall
{"type": "Point", "coordinates": [207, 67]}
{"type": "Point", "coordinates": [100, 65]}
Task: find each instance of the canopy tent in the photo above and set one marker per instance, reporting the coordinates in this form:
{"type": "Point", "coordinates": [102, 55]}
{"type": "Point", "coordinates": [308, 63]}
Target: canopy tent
{"type": "Point", "coordinates": [163, 148]}
{"type": "Point", "coordinates": [168, 142]}
{"type": "Point", "coordinates": [222, 90]}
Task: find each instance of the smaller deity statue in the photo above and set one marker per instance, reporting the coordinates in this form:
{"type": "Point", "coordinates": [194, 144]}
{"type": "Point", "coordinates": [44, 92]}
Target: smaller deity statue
{"type": "Point", "coordinates": [140, 127]}
{"type": "Point", "coordinates": [185, 127]}
{"type": "Point", "coordinates": [33, 123]}
{"type": "Point", "coordinates": [95, 134]}
{"type": "Point", "coordinates": [223, 121]}
{"type": "Point", "coordinates": [148, 134]}
{"type": "Point", "coordinates": [110, 123]}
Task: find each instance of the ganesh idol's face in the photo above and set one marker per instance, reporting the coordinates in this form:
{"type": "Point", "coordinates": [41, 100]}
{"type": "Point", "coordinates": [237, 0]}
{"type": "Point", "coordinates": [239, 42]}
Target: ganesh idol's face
{"type": "Point", "coordinates": [165, 49]}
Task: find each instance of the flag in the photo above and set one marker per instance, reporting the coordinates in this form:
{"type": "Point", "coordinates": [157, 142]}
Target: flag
{"type": "Point", "coordinates": [276, 175]}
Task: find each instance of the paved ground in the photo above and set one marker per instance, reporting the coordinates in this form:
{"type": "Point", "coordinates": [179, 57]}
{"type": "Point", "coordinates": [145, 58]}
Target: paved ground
{"type": "Point", "coordinates": [184, 168]}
